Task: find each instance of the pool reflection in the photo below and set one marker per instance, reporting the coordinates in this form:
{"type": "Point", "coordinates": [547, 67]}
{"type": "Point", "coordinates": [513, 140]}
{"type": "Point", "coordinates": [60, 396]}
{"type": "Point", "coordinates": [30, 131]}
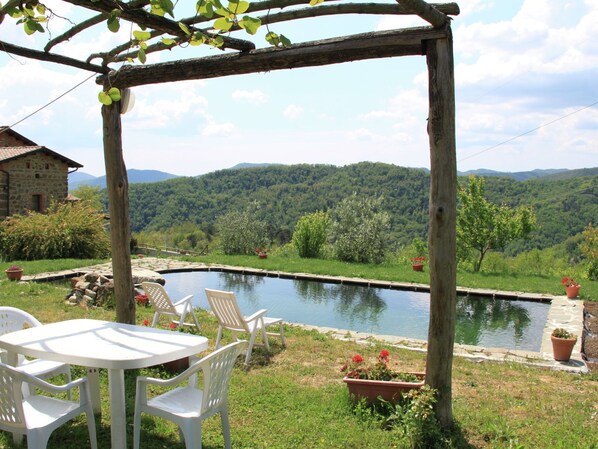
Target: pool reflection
{"type": "Point", "coordinates": [480, 321]}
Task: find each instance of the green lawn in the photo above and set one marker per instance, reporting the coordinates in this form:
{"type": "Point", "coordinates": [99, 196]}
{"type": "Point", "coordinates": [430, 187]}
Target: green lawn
{"type": "Point", "coordinates": [294, 397]}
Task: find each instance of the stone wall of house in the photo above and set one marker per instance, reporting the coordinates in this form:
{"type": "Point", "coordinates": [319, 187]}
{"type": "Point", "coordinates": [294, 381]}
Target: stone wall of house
{"type": "Point", "coordinates": [8, 140]}
{"type": "Point", "coordinates": [3, 194]}
{"type": "Point", "coordinates": [35, 174]}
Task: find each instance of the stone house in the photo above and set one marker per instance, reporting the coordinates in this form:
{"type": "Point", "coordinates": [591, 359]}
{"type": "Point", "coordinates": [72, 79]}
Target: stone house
{"type": "Point", "coordinates": [31, 175]}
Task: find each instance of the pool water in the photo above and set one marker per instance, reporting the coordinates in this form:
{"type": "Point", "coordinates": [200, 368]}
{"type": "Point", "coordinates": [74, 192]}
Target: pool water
{"type": "Point", "coordinates": [481, 321]}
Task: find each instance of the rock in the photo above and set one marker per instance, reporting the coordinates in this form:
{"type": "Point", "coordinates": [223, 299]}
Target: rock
{"type": "Point", "coordinates": [144, 275]}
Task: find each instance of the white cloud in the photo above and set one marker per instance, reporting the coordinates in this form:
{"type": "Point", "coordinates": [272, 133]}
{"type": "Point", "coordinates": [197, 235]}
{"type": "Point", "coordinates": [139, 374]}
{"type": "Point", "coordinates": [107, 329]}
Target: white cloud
{"type": "Point", "coordinates": [518, 65]}
{"type": "Point", "coordinates": [292, 111]}
{"type": "Point", "coordinates": [218, 129]}
{"type": "Point", "coordinates": [160, 106]}
{"type": "Point", "coordinates": [250, 96]}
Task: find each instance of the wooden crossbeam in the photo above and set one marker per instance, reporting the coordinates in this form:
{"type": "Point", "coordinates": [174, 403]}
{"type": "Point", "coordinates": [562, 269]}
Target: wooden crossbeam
{"type": "Point", "coordinates": [382, 44]}
{"type": "Point", "coordinates": [426, 11]}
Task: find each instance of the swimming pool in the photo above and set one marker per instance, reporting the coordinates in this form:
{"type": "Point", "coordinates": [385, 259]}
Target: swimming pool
{"type": "Point", "coordinates": [481, 321]}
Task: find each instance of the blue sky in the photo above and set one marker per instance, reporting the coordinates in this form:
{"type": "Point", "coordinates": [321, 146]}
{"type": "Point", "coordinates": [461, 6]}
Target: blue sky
{"type": "Point", "coordinates": [519, 65]}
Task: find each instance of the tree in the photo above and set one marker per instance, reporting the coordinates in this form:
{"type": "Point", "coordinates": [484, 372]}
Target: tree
{"type": "Point", "coordinates": [241, 232]}
{"type": "Point", "coordinates": [589, 248]}
{"type": "Point", "coordinates": [90, 194]}
{"type": "Point", "coordinates": [483, 226]}
{"type": "Point", "coordinates": [359, 230]}
{"type": "Point", "coordinates": [311, 233]}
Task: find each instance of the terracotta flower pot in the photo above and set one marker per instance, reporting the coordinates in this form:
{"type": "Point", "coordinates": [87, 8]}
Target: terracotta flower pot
{"type": "Point", "coordinates": [388, 390]}
{"type": "Point", "coordinates": [562, 348]}
{"type": "Point", "coordinates": [263, 255]}
{"type": "Point", "coordinates": [176, 366]}
{"type": "Point", "coordinates": [572, 291]}
{"type": "Point", "coordinates": [418, 267]}
{"type": "Point", "coordinates": [14, 275]}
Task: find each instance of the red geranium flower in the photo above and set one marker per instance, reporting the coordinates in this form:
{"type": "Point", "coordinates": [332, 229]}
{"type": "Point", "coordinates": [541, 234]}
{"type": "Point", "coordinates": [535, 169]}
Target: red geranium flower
{"type": "Point", "coordinates": [384, 354]}
{"type": "Point", "coordinates": [172, 325]}
{"type": "Point", "coordinates": [569, 282]}
{"type": "Point", "coordinates": [146, 322]}
{"type": "Point", "coordinates": [357, 359]}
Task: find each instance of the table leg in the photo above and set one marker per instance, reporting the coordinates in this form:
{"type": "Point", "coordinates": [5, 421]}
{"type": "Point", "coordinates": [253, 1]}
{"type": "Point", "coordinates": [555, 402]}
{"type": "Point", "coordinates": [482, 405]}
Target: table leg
{"type": "Point", "coordinates": [118, 419]}
{"type": "Point", "coordinates": [94, 390]}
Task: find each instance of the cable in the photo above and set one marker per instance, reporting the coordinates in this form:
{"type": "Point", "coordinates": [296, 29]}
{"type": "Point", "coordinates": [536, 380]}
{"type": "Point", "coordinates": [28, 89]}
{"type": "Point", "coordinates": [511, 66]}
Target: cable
{"type": "Point", "coordinates": [528, 132]}
{"type": "Point", "coordinates": [48, 104]}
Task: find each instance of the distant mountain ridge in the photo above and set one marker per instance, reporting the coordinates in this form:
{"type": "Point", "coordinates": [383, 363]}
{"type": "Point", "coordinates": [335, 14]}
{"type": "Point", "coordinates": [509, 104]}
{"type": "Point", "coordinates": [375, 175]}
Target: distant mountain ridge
{"type": "Point", "coordinates": [135, 176]}
{"type": "Point", "coordinates": [519, 176]}
{"type": "Point", "coordinates": [77, 179]}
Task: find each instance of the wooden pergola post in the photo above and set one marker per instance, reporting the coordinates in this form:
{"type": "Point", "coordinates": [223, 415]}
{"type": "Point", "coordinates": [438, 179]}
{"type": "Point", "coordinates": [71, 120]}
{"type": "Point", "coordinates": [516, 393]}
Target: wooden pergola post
{"type": "Point", "coordinates": [118, 202]}
{"type": "Point", "coordinates": [443, 213]}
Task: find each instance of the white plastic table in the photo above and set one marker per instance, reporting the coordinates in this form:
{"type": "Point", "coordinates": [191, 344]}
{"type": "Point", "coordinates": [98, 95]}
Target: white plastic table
{"type": "Point", "coordinates": [104, 344]}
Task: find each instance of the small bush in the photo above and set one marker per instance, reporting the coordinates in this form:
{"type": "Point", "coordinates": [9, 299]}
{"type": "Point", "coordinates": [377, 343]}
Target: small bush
{"type": "Point", "coordinates": [589, 248]}
{"type": "Point", "coordinates": [242, 232]}
{"type": "Point", "coordinates": [412, 419]}
{"type": "Point", "coordinates": [65, 231]}
{"type": "Point", "coordinates": [360, 230]}
{"type": "Point", "coordinates": [311, 234]}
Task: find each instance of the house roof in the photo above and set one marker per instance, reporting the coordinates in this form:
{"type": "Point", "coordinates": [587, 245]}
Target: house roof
{"type": "Point", "coordinates": [9, 153]}
{"type": "Point", "coordinates": [16, 135]}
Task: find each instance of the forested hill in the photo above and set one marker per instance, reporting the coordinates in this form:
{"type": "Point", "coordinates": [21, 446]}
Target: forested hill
{"type": "Point", "coordinates": [286, 192]}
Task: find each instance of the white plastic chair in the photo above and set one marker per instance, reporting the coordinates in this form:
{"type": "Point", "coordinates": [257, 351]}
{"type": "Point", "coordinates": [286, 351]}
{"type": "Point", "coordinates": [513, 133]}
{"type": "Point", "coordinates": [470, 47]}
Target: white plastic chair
{"type": "Point", "coordinates": [160, 301]}
{"type": "Point", "coordinates": [186, 405]}
{"type": "Point", "coordinates": [225, 307]}
{"type": "Point", "coordinates": [37, 416]}
{"type": "Point", "coordinates": [13, 319]}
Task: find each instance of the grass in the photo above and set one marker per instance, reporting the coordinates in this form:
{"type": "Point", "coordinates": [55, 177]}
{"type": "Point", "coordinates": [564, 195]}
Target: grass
{"type": "Point", "coordinates": [402, 272]}
{"type": "Point", "coordinates": [294, 397]}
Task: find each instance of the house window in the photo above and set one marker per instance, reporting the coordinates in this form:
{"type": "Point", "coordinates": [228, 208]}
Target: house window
{"type": "Point", "coordinates": [36, 202]}
{"type": "Point", "coordinates": [28, 164]}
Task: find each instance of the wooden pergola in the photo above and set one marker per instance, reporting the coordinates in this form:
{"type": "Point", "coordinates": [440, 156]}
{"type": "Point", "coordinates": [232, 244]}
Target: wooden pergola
{"type": "Point", "coordinates": [241, 56]}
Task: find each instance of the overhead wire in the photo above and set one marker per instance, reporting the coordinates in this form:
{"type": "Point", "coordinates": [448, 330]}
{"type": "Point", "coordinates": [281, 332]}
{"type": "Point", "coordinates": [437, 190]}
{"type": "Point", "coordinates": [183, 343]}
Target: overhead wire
{"type": "Point", "coordinates": [528, 132]}
{"type": "Point", "coordinates": [49, 103]}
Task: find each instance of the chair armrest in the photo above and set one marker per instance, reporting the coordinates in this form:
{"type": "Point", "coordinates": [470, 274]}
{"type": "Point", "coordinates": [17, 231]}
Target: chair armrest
{"type": "Point", "coordinates": [184, 300]}
{"type": "Point", "coordinates": [259, 314]}
{"type": "Point", "coordinates": [194, 368]}
{"type": "Point", "coordinates": [51, 388]}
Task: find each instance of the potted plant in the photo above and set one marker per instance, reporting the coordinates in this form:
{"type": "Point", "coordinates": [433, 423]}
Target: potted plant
{"type": "Point", "coordinates": [417, 263]}
{"type": "Point", "coordinates": [261, 252]}
{"type": "Point", "coordinates": [379, 380]}
{"type": "Point", "coordinates": [142, 300]}
{"type": "Point", "coordinates": [563, 342]}
{"type": "Point", "coordinates": [173, 366]}
{"type": "Point", "coordinates": [14, 273]}
{"type": "Point", "coordinates": [571, 287]}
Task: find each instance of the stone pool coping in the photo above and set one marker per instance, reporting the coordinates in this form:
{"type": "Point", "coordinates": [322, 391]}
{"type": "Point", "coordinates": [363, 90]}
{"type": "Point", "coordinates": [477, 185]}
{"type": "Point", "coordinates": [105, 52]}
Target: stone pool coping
{"type": "Point", "coordinates": [563, 312]}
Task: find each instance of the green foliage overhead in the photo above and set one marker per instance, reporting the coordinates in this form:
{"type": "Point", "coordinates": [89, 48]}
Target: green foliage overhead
{"type": "Point", "coordinates": [65, 231]}
{"type": "Point", "coordinates": [483, 226]}
{"type": "Point", "coordinates": [359, 229]}
{"type": "Point", "coordinates": [311, 234]}
{"type": "Point", "coordinates": [109, 96]}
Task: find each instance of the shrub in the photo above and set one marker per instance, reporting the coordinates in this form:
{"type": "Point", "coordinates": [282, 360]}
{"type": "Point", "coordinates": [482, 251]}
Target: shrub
{"type": "Point", "coordinates": [65, 231]}
{"type": "Point", "coordinates": [589, 248]}
{"type": "Point", "coordinates": [415, 420]}
{"type": "Point", "coordinates": [241, 232]}
{"type": "Point", "coordinates": [360, 230]}
{"type": "Point", "coordinates": [412, 419]}
{"type": "Point", "coordinates": [311, 233]}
